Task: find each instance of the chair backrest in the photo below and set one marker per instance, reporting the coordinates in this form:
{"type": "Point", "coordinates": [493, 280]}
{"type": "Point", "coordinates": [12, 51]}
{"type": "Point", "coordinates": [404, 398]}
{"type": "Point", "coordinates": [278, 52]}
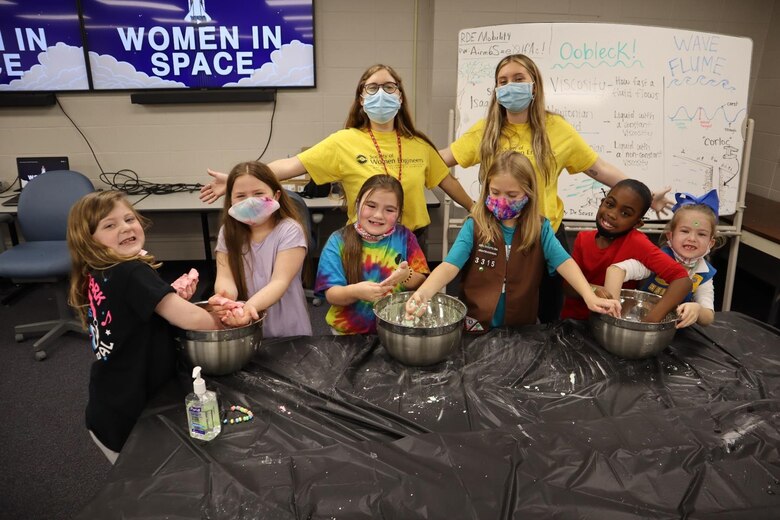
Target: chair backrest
{"type": "Point", "coordinates": [303, 211]}
{"type": "Point", "coordinates": [45, 202]}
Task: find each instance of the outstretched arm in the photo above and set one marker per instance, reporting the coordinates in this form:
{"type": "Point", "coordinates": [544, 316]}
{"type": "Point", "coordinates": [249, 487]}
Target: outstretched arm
{"type": "Point", "coordinates": [225, 285]}
{"type": "Point", "coordinates": [286, 267]}
{"type": "Point", "coordinates": [448, 157]}
{"type": "Point", "coordinates": [212, 191]}
{"type": "Point", "coordinates": [609, 174]}
{"type": "Point", "coordinates": [674, 295]}
{"type": "Point", "coordinates": [440, 277]}
{"type": "Point", "coordinates": [282, 168]}
{"type": "Point", "coordinates": [613, 280]}
{"type": "Point", "coordinates": [571, 272]}
{"type": "Point", "coordinates": [287, 168]}
{"type": "Point", "coordinates": [183, 314]}
{"type": "Point", "coordinates": [455, 191]}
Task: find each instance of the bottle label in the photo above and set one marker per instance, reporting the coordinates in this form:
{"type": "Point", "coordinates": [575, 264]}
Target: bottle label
{"type": "Point", "coordinates": [196, 420]}
{"type": "Point", "coordinates": [202, 420]}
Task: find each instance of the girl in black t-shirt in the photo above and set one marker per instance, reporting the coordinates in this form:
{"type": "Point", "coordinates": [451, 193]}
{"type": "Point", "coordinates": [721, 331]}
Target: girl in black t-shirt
{"type": "Point", "coordinates": [129, 310]}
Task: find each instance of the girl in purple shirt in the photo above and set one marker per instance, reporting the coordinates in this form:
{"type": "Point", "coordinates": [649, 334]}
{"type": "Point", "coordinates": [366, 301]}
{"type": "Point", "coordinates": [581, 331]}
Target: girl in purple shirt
{"type": "Point", "coordinates": [260, 251]}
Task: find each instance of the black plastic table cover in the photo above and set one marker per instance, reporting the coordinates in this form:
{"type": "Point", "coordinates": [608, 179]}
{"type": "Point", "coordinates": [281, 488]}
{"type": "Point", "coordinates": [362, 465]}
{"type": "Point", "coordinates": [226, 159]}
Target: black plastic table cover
{"type": "Point", "coordinates": [538, 422]}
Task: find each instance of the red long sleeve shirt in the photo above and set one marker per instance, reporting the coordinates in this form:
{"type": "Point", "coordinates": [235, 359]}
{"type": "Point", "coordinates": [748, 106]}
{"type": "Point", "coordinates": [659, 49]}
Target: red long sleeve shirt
{"type": "Point", "coordinates": [594, 263]}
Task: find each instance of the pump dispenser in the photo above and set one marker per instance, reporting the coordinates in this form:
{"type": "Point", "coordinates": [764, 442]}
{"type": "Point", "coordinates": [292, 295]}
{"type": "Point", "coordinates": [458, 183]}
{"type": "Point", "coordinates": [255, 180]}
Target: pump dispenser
{"type": "Point", "coordinates": [202, 410]}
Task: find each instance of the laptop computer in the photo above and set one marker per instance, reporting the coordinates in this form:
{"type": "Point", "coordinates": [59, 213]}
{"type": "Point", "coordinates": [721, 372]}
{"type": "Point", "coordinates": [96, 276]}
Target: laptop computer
{"type": "Point", "coordinates": [29, 168]}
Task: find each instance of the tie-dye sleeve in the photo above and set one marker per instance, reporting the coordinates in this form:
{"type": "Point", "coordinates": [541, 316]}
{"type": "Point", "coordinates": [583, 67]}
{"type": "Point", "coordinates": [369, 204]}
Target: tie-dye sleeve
{"type": "Point", "coordinates": [415, 255]}
{"type": "Point", "coordinates": [330, 271]}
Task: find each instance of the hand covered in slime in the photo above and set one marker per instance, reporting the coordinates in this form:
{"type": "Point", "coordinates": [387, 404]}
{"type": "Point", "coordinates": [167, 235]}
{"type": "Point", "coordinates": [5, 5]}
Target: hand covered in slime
{"type": "Point", "coordinates": [231, 312]}
{"type": "Point", "coordinates": [400, 275]}
{"type": "Point", "coordinates": [186, 284]}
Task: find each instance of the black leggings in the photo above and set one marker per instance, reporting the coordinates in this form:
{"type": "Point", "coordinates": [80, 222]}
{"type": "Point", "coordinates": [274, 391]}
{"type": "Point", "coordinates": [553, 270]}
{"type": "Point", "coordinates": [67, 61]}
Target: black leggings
{"type": "Point", "coordinates": [551, 288]}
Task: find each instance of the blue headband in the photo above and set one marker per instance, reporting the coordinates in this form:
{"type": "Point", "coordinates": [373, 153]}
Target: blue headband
{"type": "Point", "coordinates": [709, 199]}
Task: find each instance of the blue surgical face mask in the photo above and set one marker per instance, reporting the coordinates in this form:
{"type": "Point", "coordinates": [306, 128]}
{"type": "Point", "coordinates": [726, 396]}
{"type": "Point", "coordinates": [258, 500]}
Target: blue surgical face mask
{"type": "Point", "coordinates": [381, 107]}
{"type": "Point", "coordinates": [515, 97]}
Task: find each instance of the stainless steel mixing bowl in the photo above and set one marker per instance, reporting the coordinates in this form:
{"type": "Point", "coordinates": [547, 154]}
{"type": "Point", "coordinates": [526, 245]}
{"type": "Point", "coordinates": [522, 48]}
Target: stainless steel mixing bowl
{"type": "Point", "coordinates": [221, 352]}
{"type": "Point", "coordinates": [424, 341]}
{"type": "Point", "coordinates": [627, 336]}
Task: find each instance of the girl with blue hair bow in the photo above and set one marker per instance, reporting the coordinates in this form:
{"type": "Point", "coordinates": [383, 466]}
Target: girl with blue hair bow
{"type": "Point", "coordinates": [688, 238]}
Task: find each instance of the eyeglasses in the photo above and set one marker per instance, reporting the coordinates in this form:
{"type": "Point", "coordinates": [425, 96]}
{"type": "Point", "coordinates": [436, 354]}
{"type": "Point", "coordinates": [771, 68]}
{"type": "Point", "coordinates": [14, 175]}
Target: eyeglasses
{"type": "Point", "coordinates": [373, 88]}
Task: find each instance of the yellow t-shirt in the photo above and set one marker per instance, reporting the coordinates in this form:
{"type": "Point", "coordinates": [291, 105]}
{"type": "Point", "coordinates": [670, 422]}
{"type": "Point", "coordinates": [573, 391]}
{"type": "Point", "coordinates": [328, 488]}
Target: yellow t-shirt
{"type": "Point", "coordinates": [570, 150]}
{"type": "Point", "coordinates": [350, 157]}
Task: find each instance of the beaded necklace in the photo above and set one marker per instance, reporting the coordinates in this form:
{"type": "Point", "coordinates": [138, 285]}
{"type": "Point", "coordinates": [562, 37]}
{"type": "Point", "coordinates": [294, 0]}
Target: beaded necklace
{"type": "Point", "coordinates": [382, 157]}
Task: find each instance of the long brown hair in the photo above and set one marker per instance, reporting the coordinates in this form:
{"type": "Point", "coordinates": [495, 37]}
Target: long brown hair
{"type": "Point", "coordinates": [86, 253]}
{"type": "Point", "coordinates": [352, 257]}
{"type": "Point", "coordinates": [519, 167]}
{"type": "Point", "coordinates": [403, 124]}
{"type": "Point", "coordinates": [496, 123]}
{"type": "Point", "coordinates": [238, 236]}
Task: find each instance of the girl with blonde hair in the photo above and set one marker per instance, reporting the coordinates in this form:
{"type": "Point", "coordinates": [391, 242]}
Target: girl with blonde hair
{"type": "Point", "coordinates": [504, 251]}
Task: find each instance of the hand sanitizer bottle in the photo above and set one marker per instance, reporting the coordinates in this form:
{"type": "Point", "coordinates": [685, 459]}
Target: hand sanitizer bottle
{"type": "Point", "coordinates": [202, 410]}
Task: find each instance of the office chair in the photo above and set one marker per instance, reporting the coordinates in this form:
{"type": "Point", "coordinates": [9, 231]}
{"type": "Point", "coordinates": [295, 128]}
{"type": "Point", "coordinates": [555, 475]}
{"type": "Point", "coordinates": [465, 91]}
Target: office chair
{"type": "Point", "coordinates": [18, 290]}
{"type": "Point", "coordinates": [303, 210]}
{"type": "Point", "coordinates": [43, 257]}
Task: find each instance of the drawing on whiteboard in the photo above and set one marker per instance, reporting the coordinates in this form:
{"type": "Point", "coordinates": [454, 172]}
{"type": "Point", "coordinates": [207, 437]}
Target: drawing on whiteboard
{"type": "Point", "coordinates": [701, 80]}
{"type": "Point", "coordinates": [670, 109]}
{"type": "Point", "coordinates": [692, 175]}
{"type": "Point", "coordinates": [728, 187]}
{"type": "Point", "coordinates": [729, 167]}
{"type": "Point", "coordinates": [586, 195]}
{"type": "Point", "coordinates": [701, 115]}
{"type": "Point", "coordinates": [474, 70]}
{"type": "Point", "coordinates": [698, 175]}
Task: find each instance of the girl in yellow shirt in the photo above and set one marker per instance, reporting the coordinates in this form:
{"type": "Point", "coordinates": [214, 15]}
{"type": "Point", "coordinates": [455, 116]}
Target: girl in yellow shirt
{"type": "Point", "coordinates": [518, 120]}
{"type": "Point", "coordinates": [378, 137]}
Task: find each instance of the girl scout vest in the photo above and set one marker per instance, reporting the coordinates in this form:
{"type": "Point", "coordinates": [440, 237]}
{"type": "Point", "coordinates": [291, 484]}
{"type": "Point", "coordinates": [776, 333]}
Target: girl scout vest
{"type": "Point", "coordinates": [486, 272]}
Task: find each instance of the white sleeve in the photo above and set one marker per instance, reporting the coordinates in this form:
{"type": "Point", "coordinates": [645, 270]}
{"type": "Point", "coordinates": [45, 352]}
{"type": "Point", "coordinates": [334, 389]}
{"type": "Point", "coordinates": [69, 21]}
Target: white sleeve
{"type": "Point", "coordinates": [635, 270]}
{"type": "Point", "coordinates": [705, 295]}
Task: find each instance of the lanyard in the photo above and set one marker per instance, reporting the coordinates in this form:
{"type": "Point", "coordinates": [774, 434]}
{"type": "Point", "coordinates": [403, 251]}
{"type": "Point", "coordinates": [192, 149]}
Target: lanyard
{"type": "Point", "coordinates": [382, 157]}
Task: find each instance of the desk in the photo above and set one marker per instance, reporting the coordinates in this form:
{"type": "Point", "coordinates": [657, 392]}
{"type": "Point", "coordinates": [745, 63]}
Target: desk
{"type": "Point", "coordinates": [190, 202]}
{"type": "Point", "coordinates": [761, 232]}
{"type": "Point", "coordinates": [532, 423]}
{"type": "Point", "coordinates": [760, 224]}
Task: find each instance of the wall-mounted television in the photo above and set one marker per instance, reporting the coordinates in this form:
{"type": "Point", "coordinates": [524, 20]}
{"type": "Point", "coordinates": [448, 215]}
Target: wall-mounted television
{"type": "Point", "coordinates": [167, 51]}
{"type": "Point", "coordinates": [199, 44]}
{"type": "Point", "coordinates": [41, 47]}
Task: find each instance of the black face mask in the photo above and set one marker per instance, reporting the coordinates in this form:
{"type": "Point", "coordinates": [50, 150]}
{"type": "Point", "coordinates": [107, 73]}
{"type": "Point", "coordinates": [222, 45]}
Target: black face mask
{"type": "Point", "coordinates": [610, 235]}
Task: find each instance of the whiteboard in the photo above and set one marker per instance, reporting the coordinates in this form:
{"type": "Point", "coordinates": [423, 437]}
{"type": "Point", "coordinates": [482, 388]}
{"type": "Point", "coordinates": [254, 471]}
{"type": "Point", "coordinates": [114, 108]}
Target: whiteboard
{"type": "Point", "coordinates": [666, 106]}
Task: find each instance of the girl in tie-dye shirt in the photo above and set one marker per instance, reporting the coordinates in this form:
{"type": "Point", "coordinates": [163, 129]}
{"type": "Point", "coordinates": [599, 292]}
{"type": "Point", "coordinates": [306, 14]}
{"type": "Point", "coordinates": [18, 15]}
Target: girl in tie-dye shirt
{"type": "Point", "coordinates": [364, 261]}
